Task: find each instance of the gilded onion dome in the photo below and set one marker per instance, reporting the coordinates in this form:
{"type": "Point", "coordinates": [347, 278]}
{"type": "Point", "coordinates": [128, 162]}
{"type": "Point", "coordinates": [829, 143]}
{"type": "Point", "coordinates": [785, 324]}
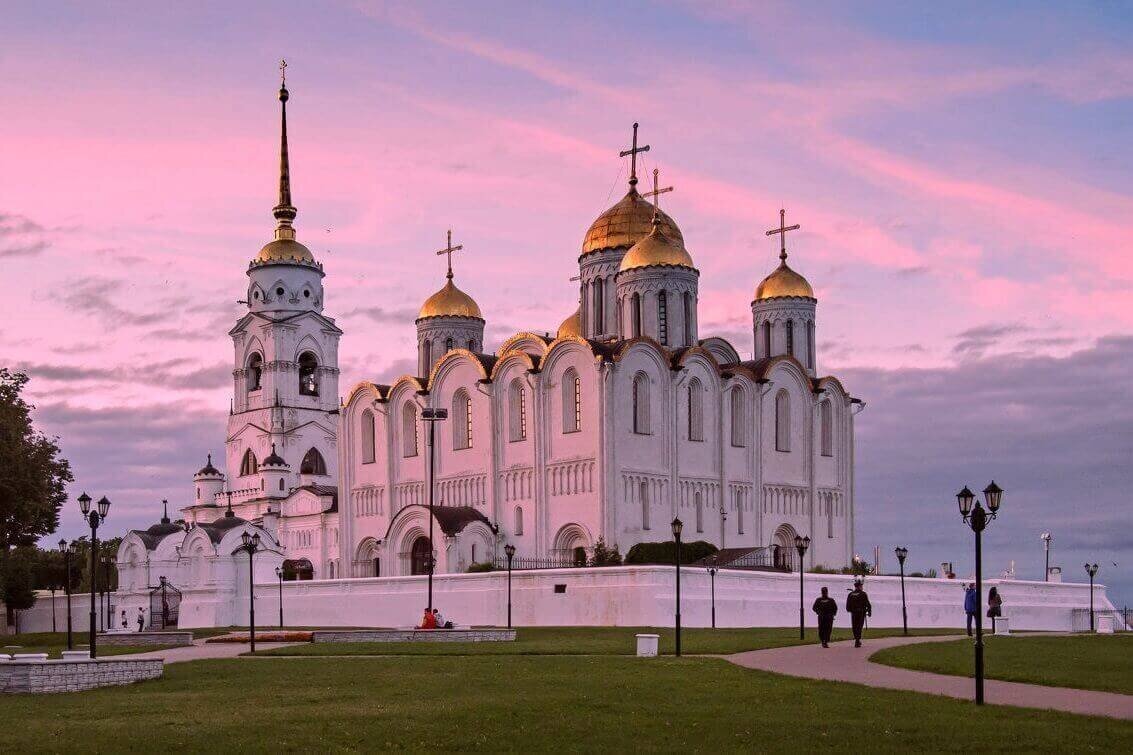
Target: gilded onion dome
{"type": "Point", "coordinates": [658, 248]}
{"type": "Point", "coordinates": [626, 223]}
{"type": "Point", "coordinates": [450, 301]}
{"type": "Point", "coordinates": [572, 326]}
{"type": "Point", "coordinates": [783, 282]}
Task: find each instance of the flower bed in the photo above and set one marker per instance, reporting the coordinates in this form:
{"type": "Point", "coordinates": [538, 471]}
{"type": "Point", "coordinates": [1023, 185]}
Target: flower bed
{"type": "Point", "coordinates": [263, 637]}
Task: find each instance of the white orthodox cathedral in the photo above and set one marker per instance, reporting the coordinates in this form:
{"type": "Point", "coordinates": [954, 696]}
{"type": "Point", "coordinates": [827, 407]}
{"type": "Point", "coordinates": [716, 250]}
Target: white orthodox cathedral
{"type": "Point", "coordinates": [628, 417]}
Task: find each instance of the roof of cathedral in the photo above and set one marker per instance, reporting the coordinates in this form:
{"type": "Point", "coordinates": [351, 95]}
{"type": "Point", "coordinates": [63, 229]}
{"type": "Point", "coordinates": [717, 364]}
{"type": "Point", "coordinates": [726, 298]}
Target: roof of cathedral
{"type": "Point", "coordinates": [572, 326]}
{"type": "Point", "coordinates": [626, 223]}
{"type": "Point", "coordinates": [284, 250]}
{"type": "Point", "coordinates": [658, 248]}
{"type": "Point", "coordinates": [153, 536]}
{"type": "Point", "coordinates": [208, 469]}
{"type": "Point", "coordinates": [453, 519]}
{"type": "Point", "coordinates": [217, 528]}
{"type": "Point", "coordinates": [450, 301]}
{"type": "Point", "coordinates": [274, 460]}
{"type": "Point", "coordinates": [783, 282]}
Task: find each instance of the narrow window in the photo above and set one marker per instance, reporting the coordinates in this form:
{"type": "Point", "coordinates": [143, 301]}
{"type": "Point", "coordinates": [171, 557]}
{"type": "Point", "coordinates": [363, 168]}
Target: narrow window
{"type": "Point", "coordinates": [313, 463]}
{"type": "Point", "coordinates": [766, 338]}
{"type": "Point", "coordinates": [409, 430]}
{"type": "Point", "coordinates": [738, 427]}
{"type": "Point", "coordinates": [699, 513]}
{"type": "Point", "coordinates": [635, 315]}
{"type": "Point", "coordinates": [448, 345]}
{"type": "Point", "coordinates": [255, 372]}
{"type": "Point", "coordinates": [644, 493]}
{"type": "Point", "coordinates": [599, 306]}
{"type": "Point", "coordinates": [826, 419]}
{"type": "Point", "coordinates": [688, 318]}
{"type": "Point", "coordinates": [641, 404]}
{"type": "Point", "coordinates": [249, 465]}
{"type": "Point", "coordinates": [518, 529]}
{"type": "Point", "coordinates": [427, 348]}
{"type": "Point", "coordinates": [790, 338]}
{"type": "Point", "coordinates": [695, 412]}
{"type": "Point", "coordinates": [739, 512]}
{"type": "Point", "coordinates": [663, 318]}
{"type": "Point", "coordinates": [572, 402]}
{"type": "Point", "coordinates": [782, 421]}
{"type": "Point", "coordinates": [367, 432]}
{"type": "Point", "coordinates": [308, 374]}
{"type": "Point", "coordinates": [461, 420]}
{"type": "Point", "coordinates": [471, 345]}
{"type": "Point", "coordinates": [830, 515]}
{"type": "Point", "coordinates": [517, 410]}
{"type": "Point", "coordinates": [810, 345]}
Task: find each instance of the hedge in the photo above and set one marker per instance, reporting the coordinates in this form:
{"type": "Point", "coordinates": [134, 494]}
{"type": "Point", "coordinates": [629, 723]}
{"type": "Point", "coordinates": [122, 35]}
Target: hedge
{"type": "Point", "coordinates": [662, 552]}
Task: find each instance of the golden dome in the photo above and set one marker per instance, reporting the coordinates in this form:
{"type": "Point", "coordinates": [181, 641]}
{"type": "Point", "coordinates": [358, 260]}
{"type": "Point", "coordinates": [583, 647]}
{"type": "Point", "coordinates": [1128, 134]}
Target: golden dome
{"type": "Point", "coordinates": [656, 249]}
{"type": "Point", "coordinates": [626, 223]}
{"type": "Point", "coordinates": [450, 301]}
{"type": "Point", "coordinates": [284, 250]}
{"type": "Point", "coordinates": [783, 282]}
{"type": "Point", "coordinates": [572, 326]}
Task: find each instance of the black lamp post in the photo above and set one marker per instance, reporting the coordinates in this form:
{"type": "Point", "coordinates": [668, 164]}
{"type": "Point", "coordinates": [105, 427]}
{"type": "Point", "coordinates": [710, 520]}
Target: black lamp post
{"type": "Point", "coordinates": [67, 551]}
{"type": "Point", "coordinates": [902, 554]}
{"type": "Point", "coordinates": [977, 518]}
{"type": "Point", "coordinates": [801, 544]}
{"type": "Point", "coordinates": [1091, 569]}
{"type": "Point", "coordinates": [712, 569]}
{"type": "Point", "coordinates": [279, 575]}
{"type": "Point", "coordinates": [250, 546]}
{"type": "Point", "coordinates": [509, 551]}
{"type": "Point", "coordinates": [677, 527]}
{"type": "Point", "coordinates": [1045, 537]}
{"type": "Point", "coordinates": [432, 417]}
{"type": "Point", "coordinates": [94, 517]}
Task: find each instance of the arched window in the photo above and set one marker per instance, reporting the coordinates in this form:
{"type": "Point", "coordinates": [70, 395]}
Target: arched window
{"type": "Point", "coordinates": [643, 491]}
{"type": "Point", "coordinates": [308, 374]}
{"type": "Point", "coordinates": [518, 528]}
{"type": "Point", "coordinates": [255, 371]}
{"type": "Point", "coordinates": [409, 430]}
{"type": "Point", "coordinates": [599, 307]}
{"type": "Point", "coordinates": [829, 515]}
{"type": "Point", "coordinates": [826, 420]}
{"type": "Point", "coordinates": [448, 345]}
{"type": "Point", "coordinates": [782, 421]}
{"type": "Point", "coordinates": [461, 420]}
{"type": "Point", "coordinates": [739, 512]}
{"type": "Point", "coordinates": [427, 351]}
{"type": "Point", "coordinates": [249, 465]}
{"type": "Point", "coordinates": [695, 410]}
{"type": "Point", "coordinates": [641, 404]}
{"type": "Point", "coordinates": [790, 326]}
{"type": "Point", "coordinates": [663, 318]}
{"type": "Point", "coordinates": [517, 410]}
{"type": "Point", "coordinates": [367, 432]}
{"type": "Point", "coordinates": [738, 424]}
{"type": "Point", "coordinates": [572, 402]}
{"type": "Point", "coordinates": [766, 338]}
{"type": "Point", "coordinates": [687, 298]}
{"type": "Point", "coordinates": [699, 513]}
{"type": "Point", "coordinates": [810, 345]}
{"type": "Point", "coordinates": [471, 345]}
{"type": "Point", "coordinates": [635, 314]}
{"type": "Point", "coordinates": [313, 463]}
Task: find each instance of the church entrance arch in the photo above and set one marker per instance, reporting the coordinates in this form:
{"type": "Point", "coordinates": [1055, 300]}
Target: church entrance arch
{"type": "Point", "coordinates": [783, 553]}
{"type": "Point", "coordinates": [571, 545]}
{"type": "Point", "coordinates": [299, 569]}
{"type": "Point", "coordinates": [419, 556]}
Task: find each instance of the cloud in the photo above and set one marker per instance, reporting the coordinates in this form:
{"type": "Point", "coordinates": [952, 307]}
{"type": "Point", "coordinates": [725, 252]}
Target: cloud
{"type": "Point", "coordinates": [381, 314]}
{"type": "Point", "coordinates": [162, 374]}
{"type": "Point", "coordinates": [21, 236]}
{"type": "Point", "coordinates": [101, 297]}
{"type": "Point", "coordinates": [975, 342]}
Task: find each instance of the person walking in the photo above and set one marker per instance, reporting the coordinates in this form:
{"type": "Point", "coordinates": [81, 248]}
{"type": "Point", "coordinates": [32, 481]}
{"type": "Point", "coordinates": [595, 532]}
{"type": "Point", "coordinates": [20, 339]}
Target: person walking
{"type": "Point", "coordinates": [141, 619]}
{"type": "Point", "coordinates": [826, 608]}
{"type": "Point", "coordinates": [994, 606]}
{"type": "Point", "coordinates": [970, 605]}
{"type": "Point", "coordinates": [858, 606]}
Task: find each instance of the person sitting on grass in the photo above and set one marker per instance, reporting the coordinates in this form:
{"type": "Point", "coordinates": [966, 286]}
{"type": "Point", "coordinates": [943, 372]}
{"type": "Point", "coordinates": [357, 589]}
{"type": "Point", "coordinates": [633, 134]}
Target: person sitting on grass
{"type": "Point", "coordinates": [429, 621]}
{"type": "Point", "coordinates": [440, 620]}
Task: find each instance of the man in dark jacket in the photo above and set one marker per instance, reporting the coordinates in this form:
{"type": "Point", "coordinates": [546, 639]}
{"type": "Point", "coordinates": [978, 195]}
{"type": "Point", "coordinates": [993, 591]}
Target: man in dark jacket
{"type": "Point", "coordinates": [970, 605]}
{"type": "Point", "coordinates": [857, 605]}
{"type": "Point", "coordinates": [826, 608]}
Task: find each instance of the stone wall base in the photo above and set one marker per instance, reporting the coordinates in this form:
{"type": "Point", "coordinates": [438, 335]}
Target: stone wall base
{"type": "Point", "coordinates": [119, 639]}
{"type": "Point", "coordinates": [36, 677]}
{"type": "Point", "coordinates": [414, 635]}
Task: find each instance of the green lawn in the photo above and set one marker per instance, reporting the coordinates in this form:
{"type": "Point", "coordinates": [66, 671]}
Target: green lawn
{"type": "Point", "coordinates": [54, 643]}
{"type": "Point", "coordinates": [587, 641]}
{"type": "Point", "coordinates": [579, 703]}
{"type": "Point", "coordinates": [1101, 662]}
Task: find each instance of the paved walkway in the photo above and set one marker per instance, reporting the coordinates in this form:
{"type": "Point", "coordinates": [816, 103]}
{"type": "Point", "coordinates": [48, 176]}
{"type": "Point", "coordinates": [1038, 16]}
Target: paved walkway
{"type": "Point", "coordinates": [842, 662]}
{"type": "Point", "coordinates": [200, 650]}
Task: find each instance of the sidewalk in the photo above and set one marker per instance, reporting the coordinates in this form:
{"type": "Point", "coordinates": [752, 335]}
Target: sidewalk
{"type": "Point", "coordinates": [199, 650]}
{"type": "Point", "coordinates": [843, 662]}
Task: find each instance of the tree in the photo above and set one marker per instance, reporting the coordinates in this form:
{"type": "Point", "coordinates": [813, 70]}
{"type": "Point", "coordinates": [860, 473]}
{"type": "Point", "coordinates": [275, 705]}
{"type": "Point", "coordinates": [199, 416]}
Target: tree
{"type": "Point", "coordinates": [33, 474]}
{"type": "Point", "coordinates": [604, 555]}
{"type": "Point", "coordinates": [17, 589]}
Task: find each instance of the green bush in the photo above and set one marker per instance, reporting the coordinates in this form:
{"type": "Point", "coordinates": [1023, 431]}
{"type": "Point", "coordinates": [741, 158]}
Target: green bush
{"type": "Point", "coordinates": [481, 567]}
{"type": "Point", "coordinates": [662, 552]}
{"type": "Point", "coordinates": [604, 555]}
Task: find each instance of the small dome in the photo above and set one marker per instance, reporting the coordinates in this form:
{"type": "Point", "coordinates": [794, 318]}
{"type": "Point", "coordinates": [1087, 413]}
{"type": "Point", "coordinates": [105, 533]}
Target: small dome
{"type": "Point", "coordinates": [208, 470]}
{"type": "Point", "coordinates": [450, 301]}
{"type": "Point", "coordinates": [625, 224]}
{"type": "Point", "coordinates": [572, 326]}
{"type": "Point", "coordinates": [284, 250]}
{"type": "Point", "coordinates": [656, 249]}
{"type": "Point", "coordinates": [274, 459]}
{"type": "Point", "coordinates": [784, 282]}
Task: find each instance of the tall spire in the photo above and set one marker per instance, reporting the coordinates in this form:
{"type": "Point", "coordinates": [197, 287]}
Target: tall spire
{"type": "Point", "coordinates": [632, 153]}
{"type": "Point", "coordinates": [284, 212]}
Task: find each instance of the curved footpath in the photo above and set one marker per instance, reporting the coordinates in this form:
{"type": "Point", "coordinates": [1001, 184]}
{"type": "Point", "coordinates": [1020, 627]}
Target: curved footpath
{"type": "Point", "coordinates": [200, 650]}
{"type": "Point", "coordinates": [842, 662]}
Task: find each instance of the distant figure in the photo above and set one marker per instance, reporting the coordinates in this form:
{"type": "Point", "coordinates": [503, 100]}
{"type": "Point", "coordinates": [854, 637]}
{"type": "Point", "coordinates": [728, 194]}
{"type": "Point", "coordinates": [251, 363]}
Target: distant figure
{"type": "Point", "coordinates": [440, 620]}
{"type": "Point", "coordinates": [826, 608]}
{"type": "Point", "coordinates": [994, 606]}
{"type": "Point", "coordinates": [429, 621]}
{"type": "Point", "coordinates": [125, 621]}
{"type": "Point", "coordinates": [857, 605]}
{"type": "Point", "coordinates": [970, 605]}
{"type": "Point", "coordinates": [141, 619]}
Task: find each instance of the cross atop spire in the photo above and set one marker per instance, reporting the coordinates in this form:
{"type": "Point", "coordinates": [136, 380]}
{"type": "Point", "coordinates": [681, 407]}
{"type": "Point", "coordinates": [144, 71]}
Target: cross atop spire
{"type": "Point", "coordinates": [782, 231]}
{"type": "Point", "coordinates": [657, 191]}
{"type": "Point", "coordinates": [448, 250]}
{"type": "Point", "coordinates": [284, 212]}
{"type": "Point", "coordinates": [164, 511]}
{"type": "Point", "coordinates": [632, 152]}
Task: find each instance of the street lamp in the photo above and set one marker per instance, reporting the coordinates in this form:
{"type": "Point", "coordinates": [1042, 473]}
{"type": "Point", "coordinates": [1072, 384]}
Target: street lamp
{"type": "Point", "coordinates": [902, 554]}
{"type": "Point", "coordinates": [250, 546]}
{"type": "Point", "coordinates": [1091, 569]}
{"type": "Point", "coordinates": [509, 551]}
{"type": "Point", "coordinates": [977, 519]}
{"type": "Point", "coordinates": [1045, 537]}
{"type": "Point", "coordinates": [432, 417]}
{"type": "Point", "coordinates": [723, 528]}
{"type": "Point", "coordinates": [67, 552]}
{"type": "Point", "coordinates": [677, 527]}
{"type": "Point", "coordinates": [279, 575]}
{"type": "Point", "coordinates": [801, 544]}
{"type": "Point", "coordinates": [712, 569]}
{"type": "Point", "coordinates": [94, 517]}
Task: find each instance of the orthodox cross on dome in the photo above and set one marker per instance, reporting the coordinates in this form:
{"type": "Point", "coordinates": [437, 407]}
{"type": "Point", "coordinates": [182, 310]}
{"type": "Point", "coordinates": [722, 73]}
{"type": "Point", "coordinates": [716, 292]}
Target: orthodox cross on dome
{"type": "Point", "coordinates": [632, 152]}
{"type": "Point", "coordinates": [282, 72]}
{"type": "Point", "coordinates": [448, 250]}
{"type": "Point", "coordinates": [782, 231]}
{"type": "Point", "coordinates": [657, 191]}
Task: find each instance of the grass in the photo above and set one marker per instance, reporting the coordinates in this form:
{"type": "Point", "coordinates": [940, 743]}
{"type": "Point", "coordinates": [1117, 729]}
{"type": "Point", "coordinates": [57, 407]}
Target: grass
{"type": "Point", "coordinates": [586, 641]}
{"type": "Point", "coordinates": [54, 643]}
{"type": "Point", "coordinates": [591, 703]}
{"type": "Point", "coordinates": [1099, 662]}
